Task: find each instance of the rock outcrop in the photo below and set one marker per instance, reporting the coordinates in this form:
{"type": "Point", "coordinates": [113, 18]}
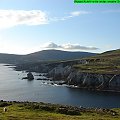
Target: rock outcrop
{"type": "Point", "coordinates": [60, 72]}
{"type": "Point", "coordinates": [92, 81]}
{"type": "Point", "coordinates": [29, 76]}
{"type": "Point", "coordinates": [95, 81]}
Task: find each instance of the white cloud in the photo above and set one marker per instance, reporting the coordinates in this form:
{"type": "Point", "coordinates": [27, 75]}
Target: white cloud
{"type": "Point", "coordinates": [51, 45]}
{"type": "Point", "coordinates": [68, 46]}
{"type": "Point", "coordinates": [70, 15]}
{"type": "Point", "coordinates": [77, 47]}
{"type": "Point", "coordinates": [10, 18]}
{"type": "Point", "coordinates": [78, 13]}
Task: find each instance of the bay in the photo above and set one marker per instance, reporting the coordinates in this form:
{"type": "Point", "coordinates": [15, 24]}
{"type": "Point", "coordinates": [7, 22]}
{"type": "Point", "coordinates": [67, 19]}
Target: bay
{"type": "Point", "coordinates": [13, 88]}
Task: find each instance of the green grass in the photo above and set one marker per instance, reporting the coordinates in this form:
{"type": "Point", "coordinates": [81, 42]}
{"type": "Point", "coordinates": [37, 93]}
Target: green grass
{"type": "Point", "coordinates": [105, 63]}
{"type": "Point", "coordinates": [19, 111]}
{"type": "Point", "coordinates": [98, 68]}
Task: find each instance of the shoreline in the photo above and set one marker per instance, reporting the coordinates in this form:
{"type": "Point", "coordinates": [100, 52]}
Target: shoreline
{"type": "Point", "coordinates": [91, 89]}
{"type": "Point", "coordinates": [69, 86]}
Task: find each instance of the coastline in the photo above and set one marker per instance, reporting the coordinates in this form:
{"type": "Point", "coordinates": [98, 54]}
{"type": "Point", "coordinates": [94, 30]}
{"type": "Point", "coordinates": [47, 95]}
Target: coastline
{"type": "Point", "coordinates": [97, 90]}
{"type": "Point", "coordinates": [81, 80]}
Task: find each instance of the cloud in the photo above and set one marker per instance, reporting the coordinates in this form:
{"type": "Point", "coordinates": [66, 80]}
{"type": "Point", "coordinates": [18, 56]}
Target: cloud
{"type": "Point", "coordinates": [10, 18]}
{"type": "Point", "coordinates": [78, 13]}
{"type": "Point", "coordinates": [70, 15]}
{"type": "Point", "coordinates": [68, 46]}
{"type": "Point", "coordinates": [78, 47]}
{"type": "Point", "coordinates": [51, 45]}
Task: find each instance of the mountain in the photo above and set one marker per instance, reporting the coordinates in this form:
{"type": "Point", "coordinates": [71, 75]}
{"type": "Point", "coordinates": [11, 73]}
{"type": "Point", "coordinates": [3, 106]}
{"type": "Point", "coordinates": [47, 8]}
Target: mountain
{"type": "Point", "coordinates": [45, 55]}
{"type": "Point", "coordinates": [49, 55]}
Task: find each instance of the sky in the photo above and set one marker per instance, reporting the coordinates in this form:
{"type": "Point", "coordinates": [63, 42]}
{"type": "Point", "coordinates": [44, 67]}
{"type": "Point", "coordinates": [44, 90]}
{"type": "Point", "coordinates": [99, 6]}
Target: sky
{"type": "Point", "coordinates": [27, 26]}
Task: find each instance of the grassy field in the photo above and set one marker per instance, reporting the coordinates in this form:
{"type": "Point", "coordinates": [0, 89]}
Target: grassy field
{"type": "Point", "coordinates": [105, 63]}
{"type": "Point", "coordinates": [30, 111]}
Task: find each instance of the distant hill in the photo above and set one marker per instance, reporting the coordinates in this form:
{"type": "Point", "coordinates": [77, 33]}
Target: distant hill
{"type": "Point", "coordinates": [48, 55]}
{"type": "Point", "coordinates": [45, 55]}
{"type": "Point", "coordinates": [117, 51]}
{"type": "Point", "coordinates": [9, 58]}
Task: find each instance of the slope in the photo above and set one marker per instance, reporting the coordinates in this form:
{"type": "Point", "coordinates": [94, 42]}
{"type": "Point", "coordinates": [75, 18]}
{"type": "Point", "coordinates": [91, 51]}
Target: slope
{"type": "Point", "coordinates": [107, 62]}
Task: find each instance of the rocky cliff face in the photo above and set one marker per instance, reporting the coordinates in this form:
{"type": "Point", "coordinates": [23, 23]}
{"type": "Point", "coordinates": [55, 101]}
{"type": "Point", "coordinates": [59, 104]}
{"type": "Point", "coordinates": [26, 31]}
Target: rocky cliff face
{"type": "Point", "coordinates": [60, 72]}
{"type": "Point", "coordinates": [95, 81]}
{"type": "Point", "coordinates": [85, 80]}
{"type": "Point", "coordinates": [72, 76]}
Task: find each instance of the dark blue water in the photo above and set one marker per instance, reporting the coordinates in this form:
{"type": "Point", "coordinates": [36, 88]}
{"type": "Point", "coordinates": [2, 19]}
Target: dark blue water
{"type": "Point", "coordinates": [12, 87]}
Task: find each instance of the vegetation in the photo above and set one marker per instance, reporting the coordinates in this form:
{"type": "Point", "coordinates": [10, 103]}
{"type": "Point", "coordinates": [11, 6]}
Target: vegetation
{"type": "Point", "coordinates": [105, 63]}
{"type": "Point", "coordinates": [44, 111]}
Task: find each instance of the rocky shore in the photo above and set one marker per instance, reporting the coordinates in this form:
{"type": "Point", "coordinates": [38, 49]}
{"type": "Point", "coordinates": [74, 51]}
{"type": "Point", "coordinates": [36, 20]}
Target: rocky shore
{"type": "Point", "coordinates": [76, 78]}
{"type": "Point", "coordinates": [91, 81]}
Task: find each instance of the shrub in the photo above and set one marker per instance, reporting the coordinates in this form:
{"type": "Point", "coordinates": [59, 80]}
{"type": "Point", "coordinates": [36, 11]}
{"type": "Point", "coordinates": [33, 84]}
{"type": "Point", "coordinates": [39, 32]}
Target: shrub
{"type": "Point", "coordinates": [3, 104]}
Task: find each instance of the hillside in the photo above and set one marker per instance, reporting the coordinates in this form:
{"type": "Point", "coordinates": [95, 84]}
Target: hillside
{"type": "Point", "coordinates": [9, 58]}
{"type": "Point", "coordinates": [48, 55]}
{"type": "Point", "coordinates": [106, 63]}
{"type": "Point", "coordinates": [45, 55]}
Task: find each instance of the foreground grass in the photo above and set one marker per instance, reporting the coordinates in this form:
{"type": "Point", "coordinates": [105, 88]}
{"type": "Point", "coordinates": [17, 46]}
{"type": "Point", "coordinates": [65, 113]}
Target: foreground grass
{"type": "Point", "coordinates": [19, 111]}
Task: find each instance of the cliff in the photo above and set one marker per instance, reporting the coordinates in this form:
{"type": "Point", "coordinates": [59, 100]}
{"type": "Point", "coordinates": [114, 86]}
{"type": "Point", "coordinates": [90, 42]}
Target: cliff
{"type": "Point", "coordinates": [81, 79]}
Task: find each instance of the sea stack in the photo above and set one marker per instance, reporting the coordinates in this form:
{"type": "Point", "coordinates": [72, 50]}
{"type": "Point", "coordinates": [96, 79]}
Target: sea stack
{"type": "Point", "coordinates": [30, 76]}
